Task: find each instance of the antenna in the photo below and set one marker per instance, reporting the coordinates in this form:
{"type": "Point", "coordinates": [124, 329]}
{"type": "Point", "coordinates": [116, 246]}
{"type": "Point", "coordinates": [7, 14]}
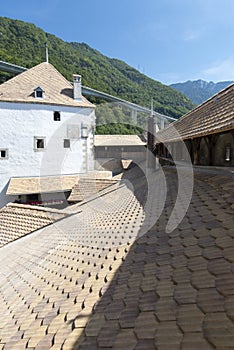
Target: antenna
{"type": "Point", "coordinates": [47, 54]}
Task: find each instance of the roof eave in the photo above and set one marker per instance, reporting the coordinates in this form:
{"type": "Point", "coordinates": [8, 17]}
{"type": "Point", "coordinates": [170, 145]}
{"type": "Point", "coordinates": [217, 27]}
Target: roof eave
{"type": "Point", "coordinates": [81, 105]}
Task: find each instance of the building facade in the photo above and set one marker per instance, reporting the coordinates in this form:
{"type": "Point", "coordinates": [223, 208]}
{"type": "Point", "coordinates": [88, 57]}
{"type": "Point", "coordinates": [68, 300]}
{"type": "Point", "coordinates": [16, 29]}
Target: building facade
{"type": "Point", "coordinates": [47, 129]}
{"type": "Point", "coordinates": [112, 150]}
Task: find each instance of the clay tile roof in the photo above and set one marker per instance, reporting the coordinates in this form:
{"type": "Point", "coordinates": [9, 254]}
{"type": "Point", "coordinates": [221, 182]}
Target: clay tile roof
{"type": "Point", "coordinates": [87, 187]}
{"type": "Point", "coordinates": [118, 140]}
{"type": "Point", "coordinates": [29, 185]}
{"type": "Point", "coordinates": [17, 220]}
{"type": "Point", "coordinates": [57, 90]}
{"type": "Point", "coordinates": [86, 282]}
{"type": "Point", "coordinates": [213, 116]}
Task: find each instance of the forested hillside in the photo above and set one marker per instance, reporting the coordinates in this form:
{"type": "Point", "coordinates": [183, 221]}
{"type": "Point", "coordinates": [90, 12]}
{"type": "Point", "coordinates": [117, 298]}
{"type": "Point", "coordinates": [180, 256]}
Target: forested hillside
{"type": "Point", "coordinates": [24, 44]}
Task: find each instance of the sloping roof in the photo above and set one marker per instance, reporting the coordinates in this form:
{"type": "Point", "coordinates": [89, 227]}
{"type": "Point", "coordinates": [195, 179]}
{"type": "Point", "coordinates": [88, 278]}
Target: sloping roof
{"type": "Point", "coordinates": [29, 185]}
{"type": "Point", "coordinates": [57, 90]}
{"type": "Point", "coordinates": [87, 187]}
{"type": "Point", "coordinates": [118, 140]}
{"type": "Point", "coordinates": [17, 220]}
{"type": "Point", "coordinates": [85, 283]}
{"type": "Point", "coordinates": [213, 116]}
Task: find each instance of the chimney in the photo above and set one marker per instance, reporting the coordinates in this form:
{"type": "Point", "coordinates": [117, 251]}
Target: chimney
{"type": "Point", "coordinates": [77, 87]}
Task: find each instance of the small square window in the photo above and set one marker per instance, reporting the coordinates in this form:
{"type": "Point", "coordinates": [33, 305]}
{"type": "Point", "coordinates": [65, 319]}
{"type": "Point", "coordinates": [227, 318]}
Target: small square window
{"type": "Point", "coordinates": [57, 116]}
{"type": "Point", "coordinates": [66, 143]}
{"type": "Point", "coordinates": [39, 143]}
{"type": "Point", "coordinates": [3, 153]}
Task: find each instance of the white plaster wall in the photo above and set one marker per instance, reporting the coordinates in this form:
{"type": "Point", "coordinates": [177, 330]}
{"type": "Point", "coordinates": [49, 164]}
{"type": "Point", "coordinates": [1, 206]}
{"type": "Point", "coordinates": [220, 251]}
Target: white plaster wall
{"type": "Point", "coordinates": [21, 122]}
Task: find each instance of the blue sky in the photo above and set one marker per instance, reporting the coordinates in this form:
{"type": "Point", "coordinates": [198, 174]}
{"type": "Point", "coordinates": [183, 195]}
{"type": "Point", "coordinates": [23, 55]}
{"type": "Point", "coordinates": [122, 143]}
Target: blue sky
{"type": "Point", "coordinates": [168, 40]}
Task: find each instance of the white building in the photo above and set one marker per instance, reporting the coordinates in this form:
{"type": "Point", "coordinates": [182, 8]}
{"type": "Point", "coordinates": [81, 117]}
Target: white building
{"type": "Point", "coordinates": [46, 135]}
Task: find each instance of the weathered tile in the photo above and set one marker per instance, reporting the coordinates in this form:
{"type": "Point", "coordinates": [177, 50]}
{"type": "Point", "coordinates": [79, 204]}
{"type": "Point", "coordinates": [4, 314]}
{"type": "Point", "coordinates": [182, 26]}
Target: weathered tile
{"type": "Point", "coordinates": [190, 318]}
{"type": "Point", "coordinates": [145, 325]}
{"type": "Point", "coordinates": [164, 291]}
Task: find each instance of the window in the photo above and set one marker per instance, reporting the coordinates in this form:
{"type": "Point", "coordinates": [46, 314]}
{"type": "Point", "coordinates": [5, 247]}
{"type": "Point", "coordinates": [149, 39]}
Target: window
{"type": "Point", "coordinates": [38, 92]}
{"type": "Point", "coordinates": [57, 116]}
{"type": "Point", "coordinates": [3, 153]}
{"type": "Point", "coordinates": [66, 143]}
{"type": "Point", "coordinates": [39, 143]}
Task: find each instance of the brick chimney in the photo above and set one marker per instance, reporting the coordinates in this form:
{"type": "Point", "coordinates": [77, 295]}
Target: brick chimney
{"type": "Point", "coordinates": [77, 87]}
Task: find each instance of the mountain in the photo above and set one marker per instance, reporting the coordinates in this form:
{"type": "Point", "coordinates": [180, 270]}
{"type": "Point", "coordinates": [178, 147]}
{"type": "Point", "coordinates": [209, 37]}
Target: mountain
{"type": "Point", "coordinates": [24, 44]}
{"type": "Point", "coordinates": [199, 91]}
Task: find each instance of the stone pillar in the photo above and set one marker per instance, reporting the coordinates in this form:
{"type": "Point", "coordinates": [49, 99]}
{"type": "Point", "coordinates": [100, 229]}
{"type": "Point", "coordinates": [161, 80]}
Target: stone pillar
{"type": "Point", "coordinates": [150, 143]}
{"type": "Point", "coordinates": [210, 142]}
{"type": "Point", "coordinates": [196, 150]}
{"type": "Point", "coordinates": [134, 116]}
{"type": "Point", "coordinates": [162, 123]}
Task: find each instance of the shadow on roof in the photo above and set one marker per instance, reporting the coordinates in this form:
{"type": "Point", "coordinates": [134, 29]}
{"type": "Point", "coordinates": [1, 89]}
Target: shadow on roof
{"type": "Point", "coordinates": [172, 287]}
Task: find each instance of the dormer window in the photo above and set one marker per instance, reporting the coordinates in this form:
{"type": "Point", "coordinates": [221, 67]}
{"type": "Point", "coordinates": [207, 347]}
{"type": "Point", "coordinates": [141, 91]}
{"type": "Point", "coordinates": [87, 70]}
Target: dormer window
{"type": "Point", "coordinates": [38, 92]}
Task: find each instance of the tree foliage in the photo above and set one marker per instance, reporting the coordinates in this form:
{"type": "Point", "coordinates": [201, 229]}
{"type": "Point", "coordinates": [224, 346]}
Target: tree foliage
{"type": "Point", "coordinates": [24, 44]}
{"type": "Point", "coordinates": [113, 119]}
